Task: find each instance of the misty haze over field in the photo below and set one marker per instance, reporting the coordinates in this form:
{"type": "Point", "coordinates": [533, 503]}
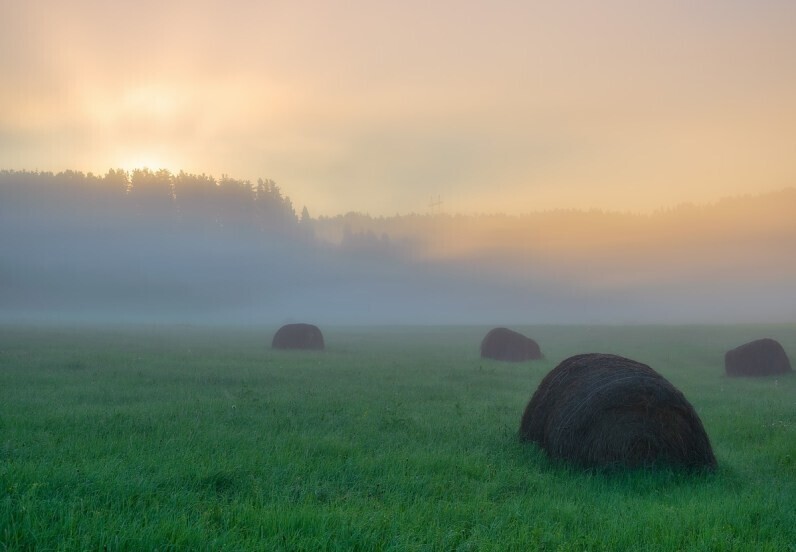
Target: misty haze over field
{"type": "Point", "coordinates": [156, 247]}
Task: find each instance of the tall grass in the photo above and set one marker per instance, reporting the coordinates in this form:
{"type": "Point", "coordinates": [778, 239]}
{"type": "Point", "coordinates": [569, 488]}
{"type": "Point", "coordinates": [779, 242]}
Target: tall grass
{"type": "Point", "coordinates": [392, 439]}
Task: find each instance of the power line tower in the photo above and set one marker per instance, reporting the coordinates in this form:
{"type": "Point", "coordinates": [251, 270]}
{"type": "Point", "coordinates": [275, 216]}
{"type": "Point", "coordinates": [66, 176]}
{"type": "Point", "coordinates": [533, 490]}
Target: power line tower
{"type": "Point", "coordinates": [435, 205]}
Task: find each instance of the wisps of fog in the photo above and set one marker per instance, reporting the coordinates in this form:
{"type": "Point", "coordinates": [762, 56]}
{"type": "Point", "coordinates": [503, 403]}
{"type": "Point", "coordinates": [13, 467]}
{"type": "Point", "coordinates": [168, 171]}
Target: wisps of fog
{"type": "Point", "coordinates": [156, 247]}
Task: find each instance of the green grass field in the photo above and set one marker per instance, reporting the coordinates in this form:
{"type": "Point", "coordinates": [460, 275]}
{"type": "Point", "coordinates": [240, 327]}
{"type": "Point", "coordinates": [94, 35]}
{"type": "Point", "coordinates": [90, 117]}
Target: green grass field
{"type": "Point", "coordinates": [392, 439]}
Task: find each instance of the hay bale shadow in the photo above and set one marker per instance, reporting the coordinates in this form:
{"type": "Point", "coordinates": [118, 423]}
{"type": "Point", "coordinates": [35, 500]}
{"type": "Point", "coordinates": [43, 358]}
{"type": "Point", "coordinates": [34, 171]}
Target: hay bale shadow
{"type": "Point", "coordinates": [606, 411]}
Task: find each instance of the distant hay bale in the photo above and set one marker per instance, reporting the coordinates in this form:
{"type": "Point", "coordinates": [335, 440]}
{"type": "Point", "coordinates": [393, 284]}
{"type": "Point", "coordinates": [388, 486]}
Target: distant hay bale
{"type": "Point", "coordinates": [762, 357]}
{"type": "Point", "coordinates": [601, 410]}
{"type": "Point", "coordinates": [298, 336]}
{"type": "Point", "coordinates": [505, 344]}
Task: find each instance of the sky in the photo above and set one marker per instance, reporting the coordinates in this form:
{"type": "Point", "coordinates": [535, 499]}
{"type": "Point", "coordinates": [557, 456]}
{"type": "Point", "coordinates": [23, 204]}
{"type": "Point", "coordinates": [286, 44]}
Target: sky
{"type": "Point", "coordinates": [382, 107]}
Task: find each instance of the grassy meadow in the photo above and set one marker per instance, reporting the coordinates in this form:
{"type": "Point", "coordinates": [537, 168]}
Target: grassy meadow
{"type": "Point", "coordinates": [395, 438]}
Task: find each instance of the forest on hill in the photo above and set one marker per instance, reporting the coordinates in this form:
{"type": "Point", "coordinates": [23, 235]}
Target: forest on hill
{"type": "Point", "coordinates": [152, 245]}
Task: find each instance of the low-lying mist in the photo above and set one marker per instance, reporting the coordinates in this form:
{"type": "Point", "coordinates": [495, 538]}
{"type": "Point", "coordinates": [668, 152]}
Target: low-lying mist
{"type": "Point", "coordinates": [156, 247]}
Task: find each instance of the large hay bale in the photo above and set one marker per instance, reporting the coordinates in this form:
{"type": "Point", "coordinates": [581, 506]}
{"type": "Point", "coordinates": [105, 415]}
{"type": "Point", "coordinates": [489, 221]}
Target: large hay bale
{"type": "Point", "coordinates": [762, 357]}
{"type": "Point", "coordinates": [601, 410]}
{"type": "Point", "coordinates": [505, 344]}
{"type": "Point", "coordinates": [298, 336]}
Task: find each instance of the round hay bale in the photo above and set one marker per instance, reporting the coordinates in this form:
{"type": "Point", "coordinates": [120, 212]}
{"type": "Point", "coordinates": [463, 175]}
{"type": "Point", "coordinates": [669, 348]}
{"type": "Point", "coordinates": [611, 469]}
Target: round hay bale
{"type": "Point", "coordinates": [601, 410]}
{"type": "Point", "coordinates": [505, 344]}
{"type": "Point", "coordinates": [762, 357]}
{"type": "Point", "coordinates": [298, 336]}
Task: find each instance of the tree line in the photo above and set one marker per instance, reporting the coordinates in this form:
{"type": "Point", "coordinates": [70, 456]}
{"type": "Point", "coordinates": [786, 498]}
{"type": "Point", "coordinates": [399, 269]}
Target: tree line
{"type": "Point", "coordinates": [153, 199]}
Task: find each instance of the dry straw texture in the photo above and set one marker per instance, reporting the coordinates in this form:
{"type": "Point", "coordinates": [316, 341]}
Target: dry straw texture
{"type": "Point", "coordinates": [600, 410]}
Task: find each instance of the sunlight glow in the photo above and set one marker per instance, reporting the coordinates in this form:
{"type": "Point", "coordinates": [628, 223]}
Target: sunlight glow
{"type": "Point", "coordinates": [145, 160]}
{"type": "Point", "coordinates": [155, 101]}
{"type": "Point", "coordinates": [514, 109]}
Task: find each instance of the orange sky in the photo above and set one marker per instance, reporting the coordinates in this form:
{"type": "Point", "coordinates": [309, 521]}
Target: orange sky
{"type": "Point", "coordinates": [378, 106]}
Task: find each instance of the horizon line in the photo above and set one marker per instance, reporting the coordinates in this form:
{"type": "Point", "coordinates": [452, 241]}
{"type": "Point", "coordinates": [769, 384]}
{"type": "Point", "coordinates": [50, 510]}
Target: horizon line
{"type": "Point", "coordinates": [440, 213]}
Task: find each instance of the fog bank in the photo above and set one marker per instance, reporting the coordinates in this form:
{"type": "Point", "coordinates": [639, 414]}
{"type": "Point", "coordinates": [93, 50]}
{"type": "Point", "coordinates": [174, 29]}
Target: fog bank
{"type": "Point", "coordinates": [157, 247]}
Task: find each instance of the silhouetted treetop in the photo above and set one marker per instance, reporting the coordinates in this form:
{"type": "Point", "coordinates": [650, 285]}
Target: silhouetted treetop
{"type": "Point", "coordinates": [153, 198]}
